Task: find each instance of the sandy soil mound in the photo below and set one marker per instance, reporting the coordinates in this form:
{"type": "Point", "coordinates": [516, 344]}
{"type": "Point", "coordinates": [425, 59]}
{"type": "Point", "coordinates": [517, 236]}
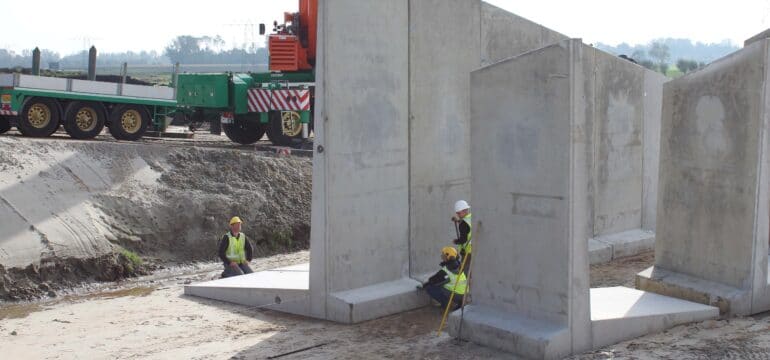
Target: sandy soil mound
{"type": "Point", "coordinates": [78, 206]}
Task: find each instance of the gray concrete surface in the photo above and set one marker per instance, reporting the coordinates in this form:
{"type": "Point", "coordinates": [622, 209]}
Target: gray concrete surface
{"type": "Point", "coordinates": [653, 83]}
{"type": "Point", "coordinates": [531, 253]}
{"type": "Point", "coordinates": [761, 36]}
{"type": "Point", "coordinates": [360, 216]}
{"type": "Point", "coordinates": [609, 247]}
{"type": "Point", "coordinates": [620, 313]}
{"type": "Point", "coordinates": [443, 49]}
{"type": "Point", "coordinates": [558, 134]}
{"type": "Point", "coordinates": [395, 132]}
{"type": "Point", "coordinates": [504, 34]}
{"type": "Point", "coordinates": [447, 40]}
{"type": "Point", "coordinates": [284, 289]}
{"type": "Point", "coordinates": [713, 201]}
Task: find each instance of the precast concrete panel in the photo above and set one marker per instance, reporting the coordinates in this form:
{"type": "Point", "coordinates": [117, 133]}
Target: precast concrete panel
{"type": "Point", "coordinates": [504, 35]}
{"type": "Point", "coordinates": [443, 50]}
{"type": "Point", "coordinates": [360, 222]}
{"type": "Point", "coordinates": [709, 149]}
{"type": "Point", "coordinates": [619, 102]}
{"type": "Point", "coordinates": [557, 143]}
{"type": "Point", "coordinates": [519, 143]}
{"type": "Point", "coordinates": [712, 215]}
{"type": "Point", "coordinates": [653, 98]}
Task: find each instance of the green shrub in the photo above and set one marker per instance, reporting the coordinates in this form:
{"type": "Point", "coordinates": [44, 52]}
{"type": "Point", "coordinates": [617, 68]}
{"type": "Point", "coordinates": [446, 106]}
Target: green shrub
{"type": "Point", "coordinates": [134, 260]}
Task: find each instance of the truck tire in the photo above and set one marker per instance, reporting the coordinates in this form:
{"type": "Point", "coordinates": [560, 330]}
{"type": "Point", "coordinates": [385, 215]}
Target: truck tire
{"type": "Point", "coordinates": [284, 128]}
{"type": "Point", "coordinates": [5, 124]}
{"type": "Point", "coordinates": [39, 117]}
{"type": "Point", "coordinates": [246, 129]}
{"type": "Point", "coordinates": [84, 119]}
{"type": "Point", "coordinates": [128, 122]}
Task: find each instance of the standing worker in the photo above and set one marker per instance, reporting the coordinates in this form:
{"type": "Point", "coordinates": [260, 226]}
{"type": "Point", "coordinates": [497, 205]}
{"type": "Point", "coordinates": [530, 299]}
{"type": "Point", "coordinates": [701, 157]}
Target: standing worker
{"type": "Point", "coordinates": [462, 220]}
{"type": "Point", "coordinates": [235, 251]}
{"type": "Point", "coordinates": [447, 280]}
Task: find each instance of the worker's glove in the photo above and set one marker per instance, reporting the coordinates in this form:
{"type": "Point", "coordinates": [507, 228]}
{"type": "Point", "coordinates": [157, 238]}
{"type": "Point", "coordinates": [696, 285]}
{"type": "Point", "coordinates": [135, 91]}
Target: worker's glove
{"type": "Point", "coordinates": [456, 241]}
{"type": "Point", "coordinates": [455, 218]}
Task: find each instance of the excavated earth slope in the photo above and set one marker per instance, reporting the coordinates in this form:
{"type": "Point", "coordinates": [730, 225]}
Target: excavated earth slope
{"type": "Point", "coordinates": [78, 210]}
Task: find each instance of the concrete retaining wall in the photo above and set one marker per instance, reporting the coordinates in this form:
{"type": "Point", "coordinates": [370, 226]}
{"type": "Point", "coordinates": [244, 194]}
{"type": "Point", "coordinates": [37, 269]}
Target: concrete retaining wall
{"type": "Point", "coordinates": [532, 207]}
{"type": "Point", "coordinates": [712, 218]}
{"type": "Point", "coordinates": [393, 121]}
{"type": "Point", "coordinates": [393, 116]}
{"type": "Point", "coordinates": [360, 216]}
{"type": "Point", "coordinates": [558, 135]}
{"type": "Point", "coordinates": [447, 40]}
{"type": "Point", "coordinates": [443, 49]}
{"type": "Point", "coordinates": [504, 35]}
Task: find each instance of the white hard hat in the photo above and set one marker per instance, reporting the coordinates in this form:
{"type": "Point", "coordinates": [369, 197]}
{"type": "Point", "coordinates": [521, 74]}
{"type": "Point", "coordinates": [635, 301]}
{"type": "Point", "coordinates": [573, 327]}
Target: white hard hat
{"type": "Point", "coordinates": [461, 205]}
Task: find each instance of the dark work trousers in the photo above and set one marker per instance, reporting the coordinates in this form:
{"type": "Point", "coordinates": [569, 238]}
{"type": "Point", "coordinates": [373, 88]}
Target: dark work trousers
{"type": "Point", "coordinates": [438, 293]}
{"type": "Point", "coordinates": [235, 271]}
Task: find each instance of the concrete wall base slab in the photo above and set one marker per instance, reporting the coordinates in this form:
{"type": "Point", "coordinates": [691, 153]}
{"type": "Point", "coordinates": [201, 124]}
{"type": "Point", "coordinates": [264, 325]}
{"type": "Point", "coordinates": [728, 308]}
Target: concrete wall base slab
{"type": "Point", "coordinates": [374, 301]}
{"type": "Point", "coordinates": [626, 243]}
{"type": "Point", "coordinates": [284, 289]}
{"type": "Point", "coordinates": [617, 314]}
{"type": "Point", "coordinates": [599, 252]}
{"type": "Point", "coordinates": [516, 333]}
{"type": "Point", "coordinates": [729, 300]}
{"type": "Point", "coordinates": [620, 313]}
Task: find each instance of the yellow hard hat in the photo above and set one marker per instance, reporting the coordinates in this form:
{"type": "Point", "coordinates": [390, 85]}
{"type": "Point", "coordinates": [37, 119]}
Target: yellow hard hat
{"type": "Point", "coordinates": [449, 252]}
{"type": "Point", "coordinates": [235, 220]}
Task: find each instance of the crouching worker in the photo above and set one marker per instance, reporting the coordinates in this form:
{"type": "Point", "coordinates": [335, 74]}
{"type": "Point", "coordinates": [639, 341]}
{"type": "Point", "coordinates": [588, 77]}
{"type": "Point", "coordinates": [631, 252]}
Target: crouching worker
{"type": "Point", "coordinates": [235, 251]}
{"type": "Point", "coordinates": [447, 280]}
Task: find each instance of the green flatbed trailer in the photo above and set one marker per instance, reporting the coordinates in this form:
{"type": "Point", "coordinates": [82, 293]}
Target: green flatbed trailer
{"type": "Point", "coordinates": [39, 105]}
{"type": "Point", "coordinates": [252, 104]}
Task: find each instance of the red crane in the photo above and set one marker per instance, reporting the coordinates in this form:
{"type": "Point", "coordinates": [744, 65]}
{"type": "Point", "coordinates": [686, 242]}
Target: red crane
{"type": "Point", "coordinates": [292, 45]}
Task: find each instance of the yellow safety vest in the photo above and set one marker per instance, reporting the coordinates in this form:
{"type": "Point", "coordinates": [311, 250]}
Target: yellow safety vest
{"type": "Point", "coordinates": [236, 249]}
{"type": "Point", "coordinates": [462, 284]}
{"type": "Point", "coordinates": [467, 247]}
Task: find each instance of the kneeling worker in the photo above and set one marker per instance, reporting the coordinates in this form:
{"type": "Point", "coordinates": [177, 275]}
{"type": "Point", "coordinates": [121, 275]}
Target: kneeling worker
{"type": "Point", "coordinates": [235, 251]}
{"type": "Point", "coordinates": [447, 280]}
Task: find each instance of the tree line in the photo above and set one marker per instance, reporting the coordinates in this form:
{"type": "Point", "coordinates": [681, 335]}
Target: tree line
{"type": "Point", "coordinates": [659, 54]}
{"type": "Point", "coordinates": [185, 49]}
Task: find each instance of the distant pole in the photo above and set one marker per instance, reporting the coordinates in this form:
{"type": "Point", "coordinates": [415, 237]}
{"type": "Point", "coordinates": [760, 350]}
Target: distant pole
{"type": "Point", "coordinates": [123, 72]}
{"type": "Point", "coordinates": [92, 63]}
{"type": "Point", "coordinates": [175, 75]}
{"type": "Point", "coordinates": [36, 61]}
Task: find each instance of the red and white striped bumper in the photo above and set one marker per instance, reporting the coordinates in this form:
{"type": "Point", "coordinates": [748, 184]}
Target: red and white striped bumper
{"type": "Point", "coordinates": [8, 112]}
{"type": "Point", "coordinates": [264, 100]}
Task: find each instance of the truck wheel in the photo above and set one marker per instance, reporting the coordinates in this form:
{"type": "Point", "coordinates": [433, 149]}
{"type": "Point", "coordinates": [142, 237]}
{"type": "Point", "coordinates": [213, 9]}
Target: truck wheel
{"type": "Point", "coordinates": [5, 124]}
{"type": "Point", "coordinates": [128, 122]}
{"type": "Point", "coordinates": [84, 119]}
{"type": "Point", "coordinates": [245, 129]}
{"type": "Point", "coordinates": [39, 117]}
{"type": "Point", "coordinates": [284, 128]}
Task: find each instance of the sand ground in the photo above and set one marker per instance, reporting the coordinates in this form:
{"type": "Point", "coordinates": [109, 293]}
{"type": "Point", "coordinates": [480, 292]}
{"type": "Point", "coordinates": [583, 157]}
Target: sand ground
{"type": "Point", "coordinates": [150, 317]}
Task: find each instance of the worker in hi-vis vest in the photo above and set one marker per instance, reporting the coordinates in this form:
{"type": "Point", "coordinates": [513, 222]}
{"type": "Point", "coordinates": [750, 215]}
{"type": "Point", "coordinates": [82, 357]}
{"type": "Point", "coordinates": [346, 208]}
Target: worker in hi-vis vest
{"type": "Point", "coordinates": [447, 280]}
{"type": "Point", "coordinates": [462, 220]}
{"type": "Point", "coordinates": [235, 251]}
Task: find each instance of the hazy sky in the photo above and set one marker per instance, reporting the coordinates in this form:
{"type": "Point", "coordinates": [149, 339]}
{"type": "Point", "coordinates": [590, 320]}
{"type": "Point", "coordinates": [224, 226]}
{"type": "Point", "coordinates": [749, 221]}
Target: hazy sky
{"type": "Point", "coordinates": [72, 25]}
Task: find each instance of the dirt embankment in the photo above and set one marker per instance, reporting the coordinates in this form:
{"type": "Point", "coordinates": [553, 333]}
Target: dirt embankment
{"type": "Point", "coordinates": [74, 211]}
